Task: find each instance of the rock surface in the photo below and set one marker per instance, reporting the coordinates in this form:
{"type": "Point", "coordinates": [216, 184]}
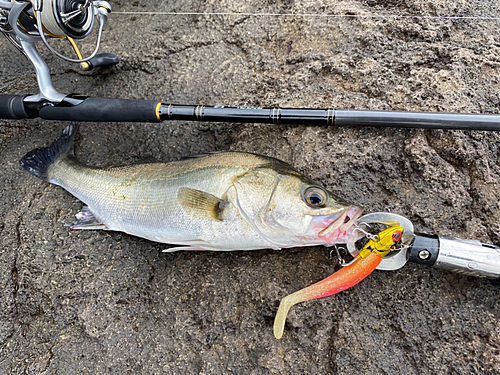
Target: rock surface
{"type": "Point", "coordinates": [98, 302]}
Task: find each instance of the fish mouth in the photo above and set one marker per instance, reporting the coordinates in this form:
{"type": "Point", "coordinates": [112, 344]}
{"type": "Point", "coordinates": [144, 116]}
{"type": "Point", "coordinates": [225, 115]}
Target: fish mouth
{"type": "Point", "coordinates": [340, 227]}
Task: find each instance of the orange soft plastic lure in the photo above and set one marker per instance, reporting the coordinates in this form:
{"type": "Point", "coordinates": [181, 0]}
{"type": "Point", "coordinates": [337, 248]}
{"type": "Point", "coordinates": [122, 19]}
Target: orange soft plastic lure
{"type": "Point", "coordinates": [369, 258]}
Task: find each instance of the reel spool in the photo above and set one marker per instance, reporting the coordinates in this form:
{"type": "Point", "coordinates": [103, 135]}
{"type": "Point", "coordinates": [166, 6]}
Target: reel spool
{"type": "Point", "coordinates": [73, 18]}
{"type": "Point", "coordinates": [60, 18]}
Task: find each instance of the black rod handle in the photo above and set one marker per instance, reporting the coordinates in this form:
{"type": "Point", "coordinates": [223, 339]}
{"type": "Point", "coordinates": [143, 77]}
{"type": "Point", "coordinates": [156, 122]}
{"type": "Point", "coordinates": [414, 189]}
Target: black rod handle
{"type": "Point", "coordinates": [12, 107]}
{"type": "Point", "coordinates": [97, 109]}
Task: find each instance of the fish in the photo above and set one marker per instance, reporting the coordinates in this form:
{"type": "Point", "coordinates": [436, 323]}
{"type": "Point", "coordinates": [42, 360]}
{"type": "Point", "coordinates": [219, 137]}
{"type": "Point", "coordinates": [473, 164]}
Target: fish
{"type": "Point", "coordinates": [220, 201]}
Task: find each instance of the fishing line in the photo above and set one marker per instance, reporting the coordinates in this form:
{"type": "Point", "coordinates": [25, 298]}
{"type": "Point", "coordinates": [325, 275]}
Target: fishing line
{"type": "Point", "coordinates": [309, 15]}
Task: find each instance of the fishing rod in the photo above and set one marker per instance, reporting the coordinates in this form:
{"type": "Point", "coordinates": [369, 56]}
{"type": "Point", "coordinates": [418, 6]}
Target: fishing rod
{"type": "Point", "coordinates": [77, 108]}
{"type": "Point", "coordinates": [21, 20]}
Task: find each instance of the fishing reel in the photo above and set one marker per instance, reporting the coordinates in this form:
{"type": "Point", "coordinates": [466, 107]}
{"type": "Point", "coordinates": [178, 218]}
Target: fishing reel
{"type": "Point", "coordinates": [26, 22]}
{"type": "Point", "coordinates": [30, 21]}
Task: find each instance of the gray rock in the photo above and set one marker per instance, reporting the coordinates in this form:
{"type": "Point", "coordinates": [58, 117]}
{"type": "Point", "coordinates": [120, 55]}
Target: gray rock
{"type": "Point", "coordinates": [101, 302]}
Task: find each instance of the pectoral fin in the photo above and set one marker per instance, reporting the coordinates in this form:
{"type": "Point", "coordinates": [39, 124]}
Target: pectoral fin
{"type": "Point", "coordinates": [85, 219]}
{"type": "Point", "coordinates": [202, 205]}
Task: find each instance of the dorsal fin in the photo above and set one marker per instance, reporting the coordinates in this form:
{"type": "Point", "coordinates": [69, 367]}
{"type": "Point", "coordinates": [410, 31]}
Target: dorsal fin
{"type": "Point", "coordinates": [204, 155]}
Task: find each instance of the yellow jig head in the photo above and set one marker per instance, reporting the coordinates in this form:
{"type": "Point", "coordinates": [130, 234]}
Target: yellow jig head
{"type": "Point", "coordinates": [385, 242]}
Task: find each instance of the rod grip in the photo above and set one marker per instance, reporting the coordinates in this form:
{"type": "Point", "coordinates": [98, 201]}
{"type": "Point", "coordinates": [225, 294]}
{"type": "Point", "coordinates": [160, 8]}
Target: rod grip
{"type": "Point", "coordinates": [96, 109]}
{"type": "Point", "coordinates": [12, 107]}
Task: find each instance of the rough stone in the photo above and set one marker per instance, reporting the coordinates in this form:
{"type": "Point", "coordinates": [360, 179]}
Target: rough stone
{"type": "Point", "coordinates": [98, 302]}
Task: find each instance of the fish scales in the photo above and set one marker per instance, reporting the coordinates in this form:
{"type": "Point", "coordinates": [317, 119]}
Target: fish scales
{"type": "Point", "coordinates": [133, 197]}
{"type": "Point", "coordinates": [221, 201]}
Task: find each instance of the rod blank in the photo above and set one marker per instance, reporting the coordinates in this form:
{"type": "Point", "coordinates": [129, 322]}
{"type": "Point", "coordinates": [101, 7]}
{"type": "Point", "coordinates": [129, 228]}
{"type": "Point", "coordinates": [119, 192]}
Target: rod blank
{"type": "Point", "coordinates": [427, 120]}
{"type": "Point", "coordinates": [331, 117]}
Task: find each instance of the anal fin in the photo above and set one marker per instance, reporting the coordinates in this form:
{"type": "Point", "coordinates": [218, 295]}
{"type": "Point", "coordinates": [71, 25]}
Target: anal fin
{"type": "Point", "coordinates": [85, 219]}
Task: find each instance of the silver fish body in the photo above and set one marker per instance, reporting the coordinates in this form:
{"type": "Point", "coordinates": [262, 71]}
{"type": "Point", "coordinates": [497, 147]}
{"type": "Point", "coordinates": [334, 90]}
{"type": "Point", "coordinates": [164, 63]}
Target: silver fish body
{"type": "Point", "coordinates": [222, 201]}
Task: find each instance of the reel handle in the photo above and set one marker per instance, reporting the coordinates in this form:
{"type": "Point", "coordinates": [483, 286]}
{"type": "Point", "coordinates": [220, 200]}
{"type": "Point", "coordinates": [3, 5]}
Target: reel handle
{"type": "Point", "coordinates": [100, 60]}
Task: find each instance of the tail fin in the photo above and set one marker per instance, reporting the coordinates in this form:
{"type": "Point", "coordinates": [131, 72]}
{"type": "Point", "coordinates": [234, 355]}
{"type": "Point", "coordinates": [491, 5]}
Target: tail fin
{"type": "Point", "coordinates": [39, 160]}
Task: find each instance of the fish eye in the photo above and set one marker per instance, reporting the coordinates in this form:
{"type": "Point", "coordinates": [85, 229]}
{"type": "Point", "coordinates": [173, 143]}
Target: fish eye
{"type": "Point", "coordinates": [315, 197]}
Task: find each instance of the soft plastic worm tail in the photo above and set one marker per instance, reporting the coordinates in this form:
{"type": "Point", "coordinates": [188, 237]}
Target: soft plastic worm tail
{"type": "Point", "coordinates": [339, 281]}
